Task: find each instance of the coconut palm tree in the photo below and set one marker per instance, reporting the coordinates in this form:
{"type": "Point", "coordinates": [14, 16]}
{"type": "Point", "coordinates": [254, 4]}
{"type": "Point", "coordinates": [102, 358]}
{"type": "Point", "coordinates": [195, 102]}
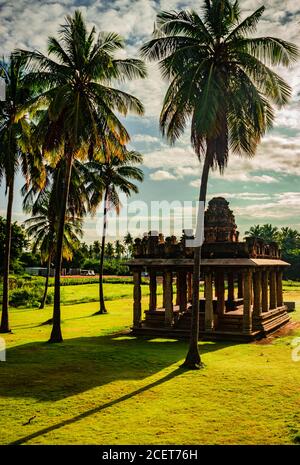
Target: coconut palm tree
{"type": "Point", "coordinates": [266, 232]}
{"type": "Point", "coordinates": [220, 83]}
{"type": "Point", "coordinates": [74, 82]}
{"type": "Point", "coordinates": [109, 251]}
{"type": "Point", "coordinates": [119, 249]}
{"type": "Point", "coordinates": [95, 249]}
{"type": "Point", "coordinates": [42, 228]}
{"type": "Point", "coordinates": [289, 239]}
{"type": "Point", "coordinates": [16, 152]}
{"type": "Point", "coordinates": [43, 205]}
{"type": "Point", "coordinates": [255, 232]}
{"type": "Point", "coordinates": [270, 233]}
{"type": "Point", "coordinates": [128, 241]}
{"type": "Point", "coordinates": [108, 179]}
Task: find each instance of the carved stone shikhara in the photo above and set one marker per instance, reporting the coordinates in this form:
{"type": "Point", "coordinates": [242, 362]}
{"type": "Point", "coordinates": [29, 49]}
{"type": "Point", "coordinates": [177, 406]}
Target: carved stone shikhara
{"type": "Point", "coordinates": [242, 281]}
{"type": "Point", "coordinates": [221, 239]}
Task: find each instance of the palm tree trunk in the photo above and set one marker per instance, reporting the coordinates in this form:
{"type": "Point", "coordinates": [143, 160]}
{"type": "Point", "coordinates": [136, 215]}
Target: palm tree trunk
{"type": "Point", "coordinates": [193, 359]}
{"type": "Point", "coordinates": [56, 335]}
{"type": "Point", "coordinates": [101, 293]}
{"type": "Point", "coordinates": [46, 283]}
{"type": "Point", "coordinates": [4, 328]}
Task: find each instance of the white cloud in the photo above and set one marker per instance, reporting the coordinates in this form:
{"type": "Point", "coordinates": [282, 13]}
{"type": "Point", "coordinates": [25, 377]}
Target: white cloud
{"type": "Point", "coordinates": [183, 171]}
{"type": "Point", "coordinates": [145, 138]}
{"type": "Point", "coordinates": [244, 177]}
{"type": "Point", "coordinates": [162, 175]}
{"type": "Point", "coordinates": [282, 206]}
{"type": "Point", "coordinates": [278, 155]}
{"type": "Point", "coordinates": [238, 176]}
{"type": "Point", "coordinates": [175, 157]}
{"type": "Point", "coordinates": [244, 196]}
{"type": "Point", "coordinates": [289, 117]}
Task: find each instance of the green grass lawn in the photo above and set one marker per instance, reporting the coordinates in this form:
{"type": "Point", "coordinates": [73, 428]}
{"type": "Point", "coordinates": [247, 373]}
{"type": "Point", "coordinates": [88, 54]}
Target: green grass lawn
{"type": "Point", "coordinates": [90, 292]}
{"type": "Point", "coordinates": [103, 387]}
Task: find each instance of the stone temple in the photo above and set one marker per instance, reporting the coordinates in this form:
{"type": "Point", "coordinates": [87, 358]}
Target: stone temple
{"type": "Point", "coordinates": [242, 297]}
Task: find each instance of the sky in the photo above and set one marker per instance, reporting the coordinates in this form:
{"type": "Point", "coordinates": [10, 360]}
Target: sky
{"type": "Point", "coordinates": [263, 189]}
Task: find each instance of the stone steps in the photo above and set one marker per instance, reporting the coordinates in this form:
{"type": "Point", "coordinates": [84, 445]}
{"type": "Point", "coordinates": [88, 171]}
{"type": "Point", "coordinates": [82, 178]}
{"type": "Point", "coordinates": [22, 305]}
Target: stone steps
{"type": "Point", "coordinates": [203, 335]}
{"type": "Point", "coordinates": [229, 327]}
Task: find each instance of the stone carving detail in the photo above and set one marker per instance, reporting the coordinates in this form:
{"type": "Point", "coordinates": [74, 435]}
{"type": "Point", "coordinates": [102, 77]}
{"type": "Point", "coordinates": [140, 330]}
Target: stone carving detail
{"type": "Point", "coordinates": [221, 239]}
{"type": "Point", "coordinates": [219, 222]}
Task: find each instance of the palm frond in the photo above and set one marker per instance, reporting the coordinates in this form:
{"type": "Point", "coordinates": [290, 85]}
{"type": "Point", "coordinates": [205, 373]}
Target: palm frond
{"type": "Point", "coordinates": [247, 26]}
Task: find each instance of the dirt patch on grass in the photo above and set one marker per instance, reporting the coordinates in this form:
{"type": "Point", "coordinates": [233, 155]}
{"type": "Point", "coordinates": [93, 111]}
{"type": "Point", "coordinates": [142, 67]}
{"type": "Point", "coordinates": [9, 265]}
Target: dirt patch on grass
{"type": "Point", "coordinates": [285, 331]}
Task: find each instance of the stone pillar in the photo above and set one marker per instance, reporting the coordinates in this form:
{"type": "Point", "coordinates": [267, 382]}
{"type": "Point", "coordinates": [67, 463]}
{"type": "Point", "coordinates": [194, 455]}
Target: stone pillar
{"type": "Point", "coordinates": [164, 290]}
{"type": "Point", "coordinates": [137, 295]}
{"type": "Point", "coordinates": [273, 290]}
{"type": "Point", "coordinates": [240, 286]}
{"type": "Point", "coordinates": [177, 288]}
{"type": "Point", "coordinates": [182, 291]}
{"type": "Point", "coordinates": [279, 289]}
{"type": "Point", "coordinates": [247, 320]}
{"type": "Point", "coordinates": [265, 293]}
{"type": "Point", "coordinates": [209, 312]}
{"type": "Point", "coordinates": [230, 282]}
{"type": "Point", "coordinates": [220, 293]}
{"type": "Point", "coordinates": [152, 287]}
{"type": "Point", "coordinates": [216, 281]}
{"type": "Point", "coordinates": [257, 299]}
{"type": "Point", "coordinates": [189, 287]}
{"type": "Point", "coordinates": [169, 317]}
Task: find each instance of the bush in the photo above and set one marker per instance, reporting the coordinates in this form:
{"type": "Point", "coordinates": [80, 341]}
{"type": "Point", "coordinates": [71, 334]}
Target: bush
{"type": "Point", "coordinates": [29, 296]}
{"type": "Point", "coordinates": [111, 267]}
{"type": "Point", "coordinates": [115, 267]}
{"type": "Point", "coordinates": [69, 281]}
{"type": "Point", "coordinates": [293, 271]}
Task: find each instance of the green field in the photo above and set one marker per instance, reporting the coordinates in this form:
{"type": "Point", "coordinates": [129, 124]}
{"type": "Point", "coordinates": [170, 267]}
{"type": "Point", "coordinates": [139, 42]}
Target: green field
{"type": "Point", "coordinates": [104, 387]}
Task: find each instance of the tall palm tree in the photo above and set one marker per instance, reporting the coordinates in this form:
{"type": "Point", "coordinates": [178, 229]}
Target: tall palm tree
{"type": "Point", "coordinates": [119, 249]}
{"type": "Point", "coordinates": [41, 228]}
{"type": "Point", "coordinates": [108, 178]}
{"type": "Point", "coordinates": [289, 239]}
{"type": "Point", "coordinates": [15, 152]}
{"type": "Point", "coordinates": [270, 233]}
{"type": "Point", "coordinates": [266, 232]}
{"type": "Point", "coordinates": [128, 241]}
{"type": "Point", "coordinates": [109, 251]}
{"type": "Point", "coordinates": [43, 205]}
{"type": "Point", "coordinates": [255, 232]}
{"type": "Point", "coordinates": [96, 249]}
{"type": "Point", "coordinates": [75, 86]}
{"type": "Point", "coordinates": [220, 82]}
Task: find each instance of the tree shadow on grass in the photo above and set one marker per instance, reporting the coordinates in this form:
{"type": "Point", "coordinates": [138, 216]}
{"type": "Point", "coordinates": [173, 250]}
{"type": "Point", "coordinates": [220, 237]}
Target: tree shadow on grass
{"type": "Point", "coordinates": [97, 409]}
{"type": "Point", "coordinates": [47, 322]}
{"type": "Point", "coordinates": [53, 372]}
{"type": "Point", "coordinates": [50, 372]}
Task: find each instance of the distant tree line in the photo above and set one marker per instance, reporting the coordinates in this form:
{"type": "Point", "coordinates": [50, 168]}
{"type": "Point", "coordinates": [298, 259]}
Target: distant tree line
{"type": "Point", "coordinates": [24, 253]}
{"type": "Point", "coordinates": [289, 241]}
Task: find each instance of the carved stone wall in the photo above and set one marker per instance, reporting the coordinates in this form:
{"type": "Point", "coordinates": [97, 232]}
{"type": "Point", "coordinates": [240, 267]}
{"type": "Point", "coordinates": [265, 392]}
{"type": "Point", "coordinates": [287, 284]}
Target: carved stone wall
{"type": "Point", "coordinates": [219, 222]}
{"type": "Point", "coordinates": [221, 239]}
